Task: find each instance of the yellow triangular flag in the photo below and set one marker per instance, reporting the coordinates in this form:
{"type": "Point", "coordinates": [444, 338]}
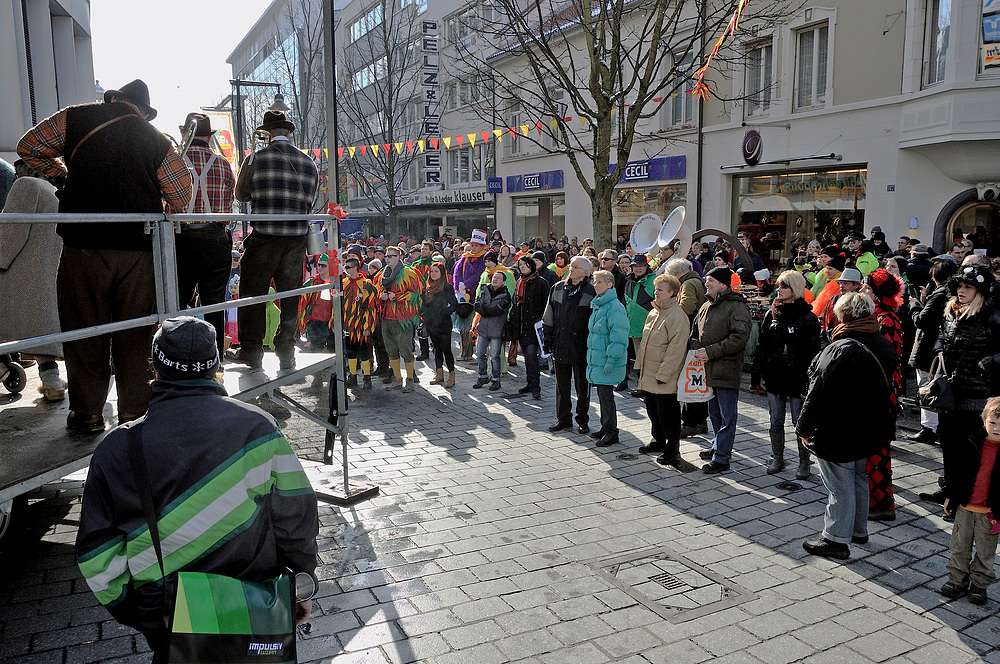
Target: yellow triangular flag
{"type": "Point", "coordinates": [374, 148]}
{"type": "Point", "coordinates": [472, 140]}
{"type": "Point", "coordinates": [352, 150]}
{"type": "Point", "coordinates": [399, 148]}
{"type": "Point", "coordinates": [420, 144]}
{"type": "Point", "coordinates": [583, 121]}
{"type": "Point", "coordinates": [498, 133]}
{"type": "Point", "coordinates": [524, 129]}
{"type": "Point", "coordinates": [613, 109]}
{"type": "Point", "coordinates": [554, 123]}
{"type": "Point", "coordinates": [447, 141]}
{"type": "Point", "coordinates": [326, 153]}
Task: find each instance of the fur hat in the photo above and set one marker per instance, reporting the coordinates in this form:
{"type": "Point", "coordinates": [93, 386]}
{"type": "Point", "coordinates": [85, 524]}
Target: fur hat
{"type": "Point", "coordinates": [978, 276]}
{"type": "Point", "coordinates": [886, 287]}
{"type": "Point", "coordinates": [184, 348]}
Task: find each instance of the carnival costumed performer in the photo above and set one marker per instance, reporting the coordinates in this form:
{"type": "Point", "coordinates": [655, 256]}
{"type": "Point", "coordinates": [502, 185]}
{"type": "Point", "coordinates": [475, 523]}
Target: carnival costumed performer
{"type": "Point", "coordinates": [493, 264]}
{"type": "Point", "coordinates": [399, 294]}
{"type": "Point", "coordinates": [887, 290]}
{"type": "Point", "coordinates": [316, 310]}
{"type": "Point", "coordinates": [465, 278]}
{"type": "Point", "coordinates": [422, 266]}
{"type": "Point", "coordinates": [360, 318]}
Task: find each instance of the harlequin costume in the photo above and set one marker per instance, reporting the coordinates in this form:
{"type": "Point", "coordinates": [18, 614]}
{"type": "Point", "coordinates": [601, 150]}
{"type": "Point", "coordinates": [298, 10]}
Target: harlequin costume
{"type": "Point", "coordinates": [888, 291]}
{"type": "Point", "coordinates": [399, 316]}
{"type": "Point", "coordinates": [360, 317]}
{"type": "Point", "coordinates": [422, 266]}
{"type": "Point", "coordinates": [316, 313]}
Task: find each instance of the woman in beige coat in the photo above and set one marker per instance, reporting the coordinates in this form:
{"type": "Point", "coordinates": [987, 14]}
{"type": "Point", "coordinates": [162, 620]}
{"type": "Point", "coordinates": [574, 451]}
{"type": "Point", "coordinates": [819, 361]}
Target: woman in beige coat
{"type": "Point", "coordinates": [659, 360]}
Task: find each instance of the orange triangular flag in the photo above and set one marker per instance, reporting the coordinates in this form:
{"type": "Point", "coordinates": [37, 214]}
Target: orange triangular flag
{"type": "Point", "coordinates": [472, 140]}
{"type": "Point", "coordinates": [364, 150]}
{"type": "Point", "coordinates": [434, 143]}
{"type": "Point", "coordinates": [538, 126]}
{"type": "Point", "coordinates": [246, 153]}
{"type": "Point", "coordinates": [485, 135]}
{"type": "Point", "coordinates": [512, 131]}
{"type": "Point", "coordinates": [409, 146]}
{"type": "Point", "coordinates": [386, 147]}
{"type": "Point", "coordinates": [351, 151]}
{"type": "Point", "coordinates": [340, 153]}
{"type": "Point", "coordinates": [460, 138]}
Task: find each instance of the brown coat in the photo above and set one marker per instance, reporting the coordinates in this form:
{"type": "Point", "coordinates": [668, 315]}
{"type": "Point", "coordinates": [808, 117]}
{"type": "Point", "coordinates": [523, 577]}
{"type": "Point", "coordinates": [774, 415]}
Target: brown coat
{"type": "Point", "coordinates": [661, 353]}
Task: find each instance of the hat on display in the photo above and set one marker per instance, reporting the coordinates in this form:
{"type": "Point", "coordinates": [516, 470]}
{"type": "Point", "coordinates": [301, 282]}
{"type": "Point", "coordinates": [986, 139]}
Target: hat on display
{"type": "Point", "coordinates": [275, 120]}
{"type": "Point", "coordinates": [184, 348]}
{"type": "Point", "coordinates": [978, 276]}
{"type": "Point", "coordinates": [136, 92]}
{"type": "Point", "coordinates": [721, 274]}
{"type": "Point", "coordinates": [851, 274]}
{"type": "Point", "coordinates": [921, 250]}
{"type": "Point", "coordinates": [478, 236]}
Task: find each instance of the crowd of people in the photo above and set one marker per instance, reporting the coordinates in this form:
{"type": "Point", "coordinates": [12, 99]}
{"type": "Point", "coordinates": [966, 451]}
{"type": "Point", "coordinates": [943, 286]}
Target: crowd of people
{"type": "Point", "coordinates": [845, 324]}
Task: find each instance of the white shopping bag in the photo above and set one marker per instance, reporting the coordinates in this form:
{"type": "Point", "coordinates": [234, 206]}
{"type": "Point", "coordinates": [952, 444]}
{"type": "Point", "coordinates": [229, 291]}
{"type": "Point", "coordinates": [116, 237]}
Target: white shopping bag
{"type": "Point", "coordinates": [692, 385]}
{"type": "Point", "coordinates": [541, 342]}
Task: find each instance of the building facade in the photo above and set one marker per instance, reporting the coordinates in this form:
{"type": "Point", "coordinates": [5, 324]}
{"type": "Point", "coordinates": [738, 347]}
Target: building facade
{"type": "Point", "coordinates": [48, 63]}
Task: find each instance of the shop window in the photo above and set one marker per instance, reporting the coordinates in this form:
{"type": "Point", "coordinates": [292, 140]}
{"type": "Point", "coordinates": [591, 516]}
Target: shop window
{"type": "Point", "coordinates": [938, 31]}
{"type": "Point", "coordinates": [759, 77]}
{"type": "Point", "coordinates": [811, 54]}
{"type": "Point", "coordinates": [979, 222]}
{"type": "Point", "coordinates": [632, 202]}
{"type": "Point", "coordinates": [539, 216]}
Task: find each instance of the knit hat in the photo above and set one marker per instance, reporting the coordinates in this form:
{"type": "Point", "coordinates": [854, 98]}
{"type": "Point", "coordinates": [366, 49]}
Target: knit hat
{"type": "Point", "coordinates": [184, 348]}
{"type": "Point", "coordinates": [721, 274]}
{"type": "Point", "coordinates": [978, 276]}
{"type": "Point", "coordinates": [539, 255]}
{"type": "Point", "coordinates": [491, 257]}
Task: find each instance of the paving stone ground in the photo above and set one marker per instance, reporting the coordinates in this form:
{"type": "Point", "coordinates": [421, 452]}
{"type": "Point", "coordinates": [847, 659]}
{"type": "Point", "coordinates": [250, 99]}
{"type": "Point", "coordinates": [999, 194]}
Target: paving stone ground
{"type": "Point", "coordinates": [485, 540]}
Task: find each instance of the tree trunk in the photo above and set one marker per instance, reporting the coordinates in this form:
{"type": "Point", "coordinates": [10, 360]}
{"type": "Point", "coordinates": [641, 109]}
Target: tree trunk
{"type": "Point", "coordinates": [393, 236]}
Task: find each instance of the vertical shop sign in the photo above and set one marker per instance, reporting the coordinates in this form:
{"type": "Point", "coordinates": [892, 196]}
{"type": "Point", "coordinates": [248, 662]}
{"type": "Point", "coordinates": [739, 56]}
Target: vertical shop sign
{"type": "Point", "coordinates": [431, 100]}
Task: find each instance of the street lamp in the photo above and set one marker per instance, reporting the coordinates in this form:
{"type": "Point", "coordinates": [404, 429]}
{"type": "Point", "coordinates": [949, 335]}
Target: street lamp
{"type": "Point", "coordinates": [277, 105]}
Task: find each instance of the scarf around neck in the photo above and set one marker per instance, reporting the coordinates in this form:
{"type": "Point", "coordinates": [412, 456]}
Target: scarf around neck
{"type": "Point", "coordinates": [867, 325]}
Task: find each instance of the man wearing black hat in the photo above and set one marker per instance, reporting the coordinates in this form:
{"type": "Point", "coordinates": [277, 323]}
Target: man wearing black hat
{"type": "Point", "coordinates": [230, 495]}
{"type": "Point", "coordinates": [721, 330]}
{"type": "Point", "coordinates": [114, 161]}
{"type": "Point", "coordinates": [204, 249]}
{"type": "Point", "coordinates": [278, 179]}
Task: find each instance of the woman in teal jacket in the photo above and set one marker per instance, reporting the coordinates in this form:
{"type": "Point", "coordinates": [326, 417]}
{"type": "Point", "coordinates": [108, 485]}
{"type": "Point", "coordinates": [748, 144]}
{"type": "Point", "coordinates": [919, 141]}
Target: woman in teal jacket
{"type": "Point", "coordinates": [607, 345]}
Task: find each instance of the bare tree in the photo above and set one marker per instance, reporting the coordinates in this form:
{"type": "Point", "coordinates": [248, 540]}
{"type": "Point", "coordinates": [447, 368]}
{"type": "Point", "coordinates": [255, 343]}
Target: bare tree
{"type": "Point", "coordinates": [301, 61]}
{"type": "Point", "coordinates": [611, 64]}
{"type": "Point", "coordinates": [379, 99]}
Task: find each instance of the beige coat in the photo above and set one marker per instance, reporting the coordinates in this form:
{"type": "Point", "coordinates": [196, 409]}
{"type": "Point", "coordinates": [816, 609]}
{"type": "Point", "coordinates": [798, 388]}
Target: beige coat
{"type": "Point", "coordinates": [663, 348]}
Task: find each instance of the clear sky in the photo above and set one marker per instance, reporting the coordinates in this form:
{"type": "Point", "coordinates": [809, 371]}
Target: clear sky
{"type": "Point", "coordinates": [179, 48]}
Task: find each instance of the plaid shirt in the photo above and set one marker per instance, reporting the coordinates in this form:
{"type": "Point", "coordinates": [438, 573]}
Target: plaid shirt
{"type": "Point", "coordinates": [279, 179]}
{"type": "Point", "coordinates": [218, 184]}
{"type": "Point", "coordinates": [46, 141]}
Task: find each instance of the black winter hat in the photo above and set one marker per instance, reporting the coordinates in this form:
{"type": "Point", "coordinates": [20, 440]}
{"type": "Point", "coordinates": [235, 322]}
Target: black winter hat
{"type": "Point", "coordinates": [539, 255]}
{"type": "Point", "coordinates": [721, 274]}
{"type": "Point", "coordinates": [977, 276]}
{"type": "Point", "coordinates": [184, 348]}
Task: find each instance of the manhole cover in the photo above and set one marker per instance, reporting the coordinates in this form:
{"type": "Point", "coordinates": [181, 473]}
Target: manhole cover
{"type": "Point", "coordinates": [671, 585]}
{"type": "Point", "coordinates": [625, 456]}
{"type": "Point", "coordinates": [789, 486]}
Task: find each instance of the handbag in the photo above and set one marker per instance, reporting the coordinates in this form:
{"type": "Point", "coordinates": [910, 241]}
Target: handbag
{"type": "Point", "coordinates": [216, 618]}
{"type": "Point", "coordinates": [935, 393]}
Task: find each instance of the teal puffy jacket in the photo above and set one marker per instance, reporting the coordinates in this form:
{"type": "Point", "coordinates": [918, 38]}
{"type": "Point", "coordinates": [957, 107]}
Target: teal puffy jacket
{"type": "Point", "coordinates": [607, 341]}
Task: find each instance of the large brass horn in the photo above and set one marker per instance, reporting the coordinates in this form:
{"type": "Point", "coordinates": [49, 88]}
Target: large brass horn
{"type": "Point", "coordinates": [261, 139]}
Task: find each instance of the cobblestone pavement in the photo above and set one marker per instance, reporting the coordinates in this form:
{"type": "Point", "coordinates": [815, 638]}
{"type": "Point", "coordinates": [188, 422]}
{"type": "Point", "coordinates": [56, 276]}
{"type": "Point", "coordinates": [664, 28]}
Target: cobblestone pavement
{"type": "Point", "coordinates": [493, 540]}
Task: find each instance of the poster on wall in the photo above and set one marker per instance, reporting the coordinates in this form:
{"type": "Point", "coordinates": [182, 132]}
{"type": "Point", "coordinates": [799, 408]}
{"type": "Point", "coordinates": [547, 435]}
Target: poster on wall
{"type": "Point", "coordinates": [222, 123]}
{"type": "Point", "coordinates": [991, 56]}
{"type": "Point", "coordinates": [991, 27]}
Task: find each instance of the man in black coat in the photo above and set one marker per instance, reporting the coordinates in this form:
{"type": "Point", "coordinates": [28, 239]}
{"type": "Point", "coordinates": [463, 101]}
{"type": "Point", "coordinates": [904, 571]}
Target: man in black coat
{"type": "Point", "coordinates": [565, 326]}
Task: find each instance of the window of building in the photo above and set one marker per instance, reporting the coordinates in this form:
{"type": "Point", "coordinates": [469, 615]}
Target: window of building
{"type": "Point", "coordinates": [467, 164]}
{"type": "Point", "coordinates": [368, 75]}
{"type": "Point", "coordinates": [539, 216]}
{"type": "Point", "coordinates": [415, 175]}
{"type": "Point", "coordinates": [515, 145]}
{"type": "Point", "coordinates": [759, 77]}
{"type": "Point", "coordinates": [811, 53]}
{"type": "Point", "coordinates": [989, 61]}
{"type": "Point", "coordinates": [419, 5]}
{"type": "Point", "coordinates": [679, 110]}
{"type": "Point", "coordinates": [936, 40]}
{"type": "Point", "coordinates": [368, 22]}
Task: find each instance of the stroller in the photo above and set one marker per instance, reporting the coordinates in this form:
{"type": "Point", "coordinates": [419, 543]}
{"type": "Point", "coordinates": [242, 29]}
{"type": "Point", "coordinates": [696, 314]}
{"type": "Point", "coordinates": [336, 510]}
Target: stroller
{"type": "Point", "coordinates": [12, 374]}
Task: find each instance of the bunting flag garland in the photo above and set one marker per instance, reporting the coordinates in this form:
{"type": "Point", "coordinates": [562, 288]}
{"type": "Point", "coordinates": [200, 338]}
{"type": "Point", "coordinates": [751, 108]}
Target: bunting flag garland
{"type": "Point", "coordinates": [364, 148]}
{"type": "Point", "coordinates": [351, 151]}
{"type": "Point", "coordinates": [485, 135]}
{"type": "Point", "coordinates": [434, 143]}
{"type": "Point", "coordinates": [399, 148]}
{"type": "Point", "coordinates": [386, 147]}
{"type": "Point", "coordinates": [420, 144]}
{"type": "Point", "coordinates": [409, 147]}
{"type": "Point", "coordinates": [513, 132]}
{"type": "Point", "coordinates": [539, 126]}
{"type": "Point", "coordinates": [524, 129]}
{"type": "Point", "coordinates": [498, 133]}
{"type": "Point", "coordinates": [340, 153]}
{"type": "Point", "coordinates": [472, 140]}
{"type": "Point", "coordinates": [460, 138]}
{"type": "Point", "coordinates": [374, 147]}
{"type": "Point", "coordinates": [447, 142]}
{"type": "Point", "coordinates": [701, 89]}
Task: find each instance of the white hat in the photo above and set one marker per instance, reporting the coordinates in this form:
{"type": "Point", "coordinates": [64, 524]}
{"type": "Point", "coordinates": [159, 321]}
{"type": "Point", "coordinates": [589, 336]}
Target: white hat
{"type": "Point", "coordinates": [479, 236]}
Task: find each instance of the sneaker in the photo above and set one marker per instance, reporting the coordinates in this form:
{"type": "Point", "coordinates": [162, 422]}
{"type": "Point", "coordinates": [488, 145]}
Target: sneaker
{"type": "Point", "coordinates": [482, 382]}
{"type": "Point", "coordinates": [714, 467]}
{"type": "Point", "coordinates": [977, 595]}
{"type": "Point", "coordinates": [954, 590]}
{"type": "Point", "coordinates": [494, 386]}
{"type": "Point", "coordinates": [706, 454]}
{"type": "Point", "coordinates": [827, 549]}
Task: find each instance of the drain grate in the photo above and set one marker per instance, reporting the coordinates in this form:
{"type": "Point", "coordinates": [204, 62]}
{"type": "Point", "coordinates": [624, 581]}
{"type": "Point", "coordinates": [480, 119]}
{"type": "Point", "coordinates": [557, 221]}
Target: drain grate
{"type": "Point", "coordinates": [668, 581]}
{"type": "Point", "coordinates": [669, 584]}
{"type": "Point", "coordinates": [788, 486]}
